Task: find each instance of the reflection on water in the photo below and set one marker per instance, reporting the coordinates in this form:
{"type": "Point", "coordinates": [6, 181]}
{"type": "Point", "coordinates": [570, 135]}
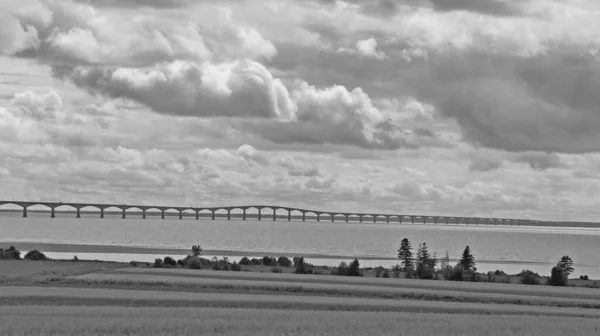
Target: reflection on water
{"type": "Point", "coordinates": [494, 244]}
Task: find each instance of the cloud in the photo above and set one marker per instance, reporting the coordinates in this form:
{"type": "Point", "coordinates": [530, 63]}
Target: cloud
{"type": "Point", "coordinates": [489, 7]}
{"type": "Point", "coordinates": [79, 34]}
{"type": "Point", "coordinates": [484, 164]}
{"type": "Point", "coordinates": [35, 105]}
{"type": "Point", "coordinates": [236, 89]}
{"type": "Point", "coordinates": [366, 48]}
{"type": "Point", "coordinates": [540, 160]}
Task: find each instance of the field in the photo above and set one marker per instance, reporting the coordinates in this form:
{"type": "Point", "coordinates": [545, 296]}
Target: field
{"type": "Point", "coordinates": [96, 298]}
{"type": "Point", "coordinates": [88, 321]}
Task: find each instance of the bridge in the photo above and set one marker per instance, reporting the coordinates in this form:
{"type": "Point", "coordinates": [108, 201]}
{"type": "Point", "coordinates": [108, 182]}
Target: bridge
{"type": "Point", "coordinates": [212, 211]}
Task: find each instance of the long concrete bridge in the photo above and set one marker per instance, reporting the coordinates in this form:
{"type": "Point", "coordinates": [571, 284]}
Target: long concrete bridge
{"type": "Point", "coordinates": [212, 211]}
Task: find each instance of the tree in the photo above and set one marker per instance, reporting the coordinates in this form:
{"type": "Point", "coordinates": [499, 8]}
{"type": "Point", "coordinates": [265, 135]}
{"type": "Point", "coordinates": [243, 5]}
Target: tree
{"type": "Point", "coordinates": [557, 277]}
{"type": "Point", "coordinates": [445, 262]}
{"type": "Point", "coordinates": [196, 250]}
{"type": "Point", "coordinates": [467, 261]}
{"type": "Point", "coordinates": [405, 255]}
{"type": "Point", "coordinates": [566, 264]}
{"type": "Point", "coordinates": [354, 268]}
{"type": "Point", "coordinates": [425, 263]}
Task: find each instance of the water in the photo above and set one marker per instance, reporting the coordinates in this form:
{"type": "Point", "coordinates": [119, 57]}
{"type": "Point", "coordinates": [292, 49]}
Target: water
{"type": "Point", "coordinates": [495, 247]}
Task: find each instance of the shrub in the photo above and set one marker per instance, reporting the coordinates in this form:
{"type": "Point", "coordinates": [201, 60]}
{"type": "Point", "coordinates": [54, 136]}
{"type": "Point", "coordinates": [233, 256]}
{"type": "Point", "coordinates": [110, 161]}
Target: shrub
{"type": "Point", "coordinates": [158, 263]}
{"type": "Point", "coordinates": [35, 255]}
{"type": "Point", "coordinates": [386, 274]}
{"type": "Point", "coordinates": [303, 267]}
{"type": "Point", "coordinates": [11, 253]}
{"type": "Point", "coordinates": [557, 277]}
{"type": "Point", "coordinates": [276, 270]}
{"type": "Point", "coordinates": [379, 270]}
{"type": "Point", "coordinates": [529, 278]}
{"type": "Point", "coordinates": [235, 267]}
{"type": "Point", "coordinates": [457, 273]}
{"type": "Point", "coordinates": [217, 267]}
{"type": "Point", "coordinates": [342, 269]}
{"type": "Point", "coordinates": [284, 262]}
{"type": "Point", "coordinates": [181, 262]}
{"type": "Point", "coordinates": [133, 263]}
{"type": "Point", "coordinates": [584, 277]}
{"type": "Point", "coordinates": [75, 259]}
{"type": "Point", "coordinates": [256, 262]}
{"type": "Point", "coordinates": [396, 270]}
{"type": "Point", "coordinates": [245, 261]}
{"type": "Point", "coordinates": [269, 261]}
{"type": "Point", "coordinates": [295, 261]}
{"type": "Point", "coordinates": [499, 272]}
{"type": "Point", "coordinates": [168, 261]}
{"type": "Point", "coordinates": [491, 276]}
{"type": "Point", "coordinates": [193, 263]}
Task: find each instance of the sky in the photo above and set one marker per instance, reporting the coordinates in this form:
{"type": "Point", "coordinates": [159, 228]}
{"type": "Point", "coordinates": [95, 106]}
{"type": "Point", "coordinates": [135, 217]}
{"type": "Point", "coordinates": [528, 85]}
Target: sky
{"type": "Point", "coordinates": [484, 108]}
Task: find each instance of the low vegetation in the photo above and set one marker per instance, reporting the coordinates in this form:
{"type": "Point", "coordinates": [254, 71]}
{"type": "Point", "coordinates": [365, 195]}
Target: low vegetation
{"type": "Point", "coordinates": [35, 255]}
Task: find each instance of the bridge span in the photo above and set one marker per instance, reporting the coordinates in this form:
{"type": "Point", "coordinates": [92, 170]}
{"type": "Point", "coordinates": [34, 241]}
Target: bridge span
{"type": "Point", "coordinates": [328, 215]}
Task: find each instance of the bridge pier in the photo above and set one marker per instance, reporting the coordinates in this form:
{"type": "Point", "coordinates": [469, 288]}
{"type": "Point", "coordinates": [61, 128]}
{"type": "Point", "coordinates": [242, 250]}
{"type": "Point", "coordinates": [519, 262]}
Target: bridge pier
{"type": "Point", "coordinates": [274, 215]}
{"type": "Point", "coordinates": [180, 214]}
{"type": "Point", "coordinates": [374, 219]}
{"type": "Point", "coordinates": [304, 216]}
{"type": "Point", "coordinates": [229, 214]}
{"type": "Point", "coordinates": [259, 214]}
{"type": "Point", "coordinates": [424, 220]}
{"type": "Point", "coordinates": [162, 214]}
{"type": "Point", "coordinates": [412, 220]}
{"type": "Point", "coordinates": [346, 218]}
{"type": "Point", "coordinates": [289, 216]}
{"type": "Point", "coordinates": [123, 216]}
{"type": "Point", "coordinates": [197, 215]}
{"type": "Point", "coordinates": [143, 214]}
{"type": "Point", "coordinates": [213, 214]}
{"type": "Point", "coordinates": [24, 212]}
{"type": "Point", "coordinates": [387, 219]}
{"type": "Point", "coordinates": [332, 215]}
{"type": "Point", "coordinates": [244, 214]}
{"type": "Point", "coordinates": [360, 218]}
{"type": "Point", "coordinates": [52, 214]}
{"type": "Point", "coordinates": [318, 217]}
{"type": "Point", "coordinates": [102, 213]}
{"type": "Point", "coordinates": [78, 213]}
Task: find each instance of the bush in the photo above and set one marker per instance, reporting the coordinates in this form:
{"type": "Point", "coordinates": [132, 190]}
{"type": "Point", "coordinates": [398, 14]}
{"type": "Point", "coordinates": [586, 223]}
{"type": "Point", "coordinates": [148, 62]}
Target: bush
{"type": "Point", "coordinates": [75, 259]}
{"type": "Point", "coordinates": [269, 261]}
{"type": "Point", "coordinates": [499, 272]}
{"type": "Point", "coordinates": [235, 267]}
{"type": "Point", "coordinates": [256, 262]}
{"type": "Point", "coordinates": [181, 262]}
{"type": "Point", "coordinates": [158, 263]}
{"type": "Point", "coordinates": [303, 267]}
{"type": "Point", "coordinates": [245, 261]}
{"type": "Point", "coordinates": [396, 270]}
{"type": "Point", "coordinates": [379, 270]}
{"type": "Point", "coordinates": [557, 277]}
{"type": "Point", "coordinates": [168, 261]}
{"type": "Point", "coordinates": [457, 273]}
{"type": "Point", "coordinates": [276, 270]}
{"type": "Point", "coordinates": [133, 263]}
{"type": "Point", "coordinates": [193, 263]}
{"type": "Point", "coordinates": [584, 277]}
{"type": "Point", "coordinates": [424, 271]}
{"type": "Point", "coordinates": [284, 262]}
{"type": "Point", "coordinates": [386, 274]}
{"type": "Point", "coordinates": [296, 260]}
{"type": "Point", "coordinates": [35, 255]}
{"type": "Point", "coordinates": [348, 270]}
{"type": "Point", "coordinates": [529, 278]}
{"type": "Point", "coordinates": [12, 253]}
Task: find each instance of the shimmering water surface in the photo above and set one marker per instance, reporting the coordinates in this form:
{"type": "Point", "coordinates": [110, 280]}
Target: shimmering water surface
{"type": "Point", "coordinates": [495, 247]}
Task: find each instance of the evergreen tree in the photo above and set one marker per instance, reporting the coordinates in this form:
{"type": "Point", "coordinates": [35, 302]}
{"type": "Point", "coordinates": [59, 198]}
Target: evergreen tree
{"type": "Point", "coordinates": [405, 255]}
{"type": "Point", "coordinates": [467, 261]}
{"type": "Point", "coordinates": [425, 263]}
{"type": "Point", "coordinates": [566, 264]}
{"type": "Point", "coordinates": [445, 261]}
{"type": "Point", "coordinates": [354, 268]}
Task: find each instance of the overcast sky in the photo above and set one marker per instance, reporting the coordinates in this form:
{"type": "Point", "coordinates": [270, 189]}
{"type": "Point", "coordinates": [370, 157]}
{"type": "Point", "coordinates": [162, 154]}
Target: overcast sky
{"type": "Point", "coordinates": [448, 107]}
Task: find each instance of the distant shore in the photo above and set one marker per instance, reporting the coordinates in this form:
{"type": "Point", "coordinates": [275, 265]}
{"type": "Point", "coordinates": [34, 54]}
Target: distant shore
{"type": "Point", "coordinates": [267, 216]}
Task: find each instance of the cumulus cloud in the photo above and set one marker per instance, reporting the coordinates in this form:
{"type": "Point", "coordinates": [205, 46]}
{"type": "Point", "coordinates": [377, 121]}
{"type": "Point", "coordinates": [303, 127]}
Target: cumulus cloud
{"type": "Point", "coordinates": [540, 160]}
{"type": "Point", "coordinates": [79, 34]}
{"type": "Point", "coordinates": [236, 89]}
{"type": "Point", "coordinates": [366, 48]}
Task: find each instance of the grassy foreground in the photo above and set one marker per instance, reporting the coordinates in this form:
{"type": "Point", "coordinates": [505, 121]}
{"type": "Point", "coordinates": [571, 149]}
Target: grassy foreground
{"type": "Point", "coordinates": [91, 321]}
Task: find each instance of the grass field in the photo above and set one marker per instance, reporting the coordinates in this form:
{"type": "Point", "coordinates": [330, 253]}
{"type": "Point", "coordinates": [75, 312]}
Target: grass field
{"type": "Point", "coordinates": [91, 321]}
{"type": "Point", "coordinates": [199, 283]}
{"type": "Point", "coordinates": [96, 298]}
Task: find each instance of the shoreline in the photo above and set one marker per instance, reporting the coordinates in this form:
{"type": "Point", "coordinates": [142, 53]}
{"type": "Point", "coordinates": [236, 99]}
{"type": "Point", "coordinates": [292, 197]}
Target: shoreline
{"type": "Point", "coordinates": [140, 250]}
